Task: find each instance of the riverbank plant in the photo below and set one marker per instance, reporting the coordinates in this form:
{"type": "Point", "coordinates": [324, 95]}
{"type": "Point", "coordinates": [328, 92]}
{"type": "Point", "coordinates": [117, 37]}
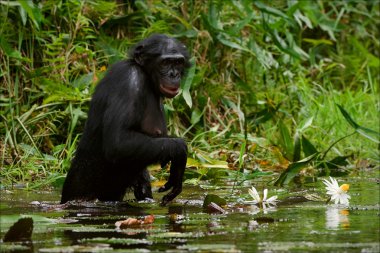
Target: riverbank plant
{"type": "Point", "coordinates": [289, 88]}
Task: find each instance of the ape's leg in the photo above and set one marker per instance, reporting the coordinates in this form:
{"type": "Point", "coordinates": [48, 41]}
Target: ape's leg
{"type": "Point", "coordinates": [142, 188]}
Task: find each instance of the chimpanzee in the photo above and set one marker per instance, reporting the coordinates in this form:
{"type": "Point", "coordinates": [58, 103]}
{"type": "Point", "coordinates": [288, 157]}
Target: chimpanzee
{"type": "Point", "coordinates": [126, 129]}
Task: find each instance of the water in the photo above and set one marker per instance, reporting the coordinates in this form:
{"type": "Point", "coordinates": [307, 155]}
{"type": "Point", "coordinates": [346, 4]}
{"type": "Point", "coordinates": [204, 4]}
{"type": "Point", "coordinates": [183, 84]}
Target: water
{"type": "Point", "coordinates": [294, 225]}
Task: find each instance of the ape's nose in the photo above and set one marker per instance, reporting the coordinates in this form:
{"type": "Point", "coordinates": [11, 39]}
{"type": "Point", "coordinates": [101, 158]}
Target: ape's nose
{"type": "Point", "coordinates": [173, 73]}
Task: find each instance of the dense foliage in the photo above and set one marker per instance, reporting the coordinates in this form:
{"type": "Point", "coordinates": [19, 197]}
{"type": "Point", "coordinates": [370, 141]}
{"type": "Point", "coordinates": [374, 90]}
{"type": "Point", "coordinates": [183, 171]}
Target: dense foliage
{"type": "Point", "coordinates": [275, 85]}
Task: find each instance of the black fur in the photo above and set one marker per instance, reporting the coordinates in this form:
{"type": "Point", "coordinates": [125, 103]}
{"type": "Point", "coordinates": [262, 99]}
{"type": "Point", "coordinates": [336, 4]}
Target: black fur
{"type": "Point", "coordinates": [126, 129]}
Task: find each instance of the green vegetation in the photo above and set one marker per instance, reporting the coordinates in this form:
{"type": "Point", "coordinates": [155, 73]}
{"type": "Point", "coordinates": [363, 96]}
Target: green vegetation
{"type": "Point", "coordinates": [285, 86]}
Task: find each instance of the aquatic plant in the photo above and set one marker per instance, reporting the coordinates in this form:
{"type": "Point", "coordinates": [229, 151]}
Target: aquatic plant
{"type": "Point", "coordinates": [338, 193]}
{"type": "Point", "coordinates": [261, 201]}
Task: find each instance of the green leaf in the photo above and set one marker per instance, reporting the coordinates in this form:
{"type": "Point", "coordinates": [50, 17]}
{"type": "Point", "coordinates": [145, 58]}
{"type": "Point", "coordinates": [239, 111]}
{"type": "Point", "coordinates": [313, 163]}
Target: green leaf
{"type": "Point", "coordinates": [300, 18]}
{"type": "Point", "coordinates": [373, 60]}
{"type": "Point", "coordinates": [307, 147]}
{"type": "Point", "coordinates": [232, 44]}
{"type": "Point", "coordinates": [293, 169]}
{"type": "Point", "coordinates": [265, 57]}
{"type": "Point", "coordinates": [286, 141]}
{"type": "Point", "coordinates": [187, 84]}
{"type": "Point", "coordinates": [264, 8]}
{"type": "Point", "coordinates": [196, 116]}
{"type": "Point", "coordinates": [297, 147]}
{"type": "Point", "coordinates": [281, 44]}
{"type": "Point", "coordinates": [213, 16]}
{"type": "Point", "coordinates": [170, 12]}
{"type": "Point", "coordinates": [339, 161]}
{"type": "Point", "coordinates": [23, 15]}
{"type": "Point", "coordinates": [8, 50]}
{"type": "Point", "coordinates": [241, 154]}
{"type": "Point", "coordinates": [83, 81]}
{"type": "Point", "coordinates": [335, 167]}
{"type": "Point", "coordinates": [236, 29]}
{"type": "Point", "coordinates": [366, 132]}
{"type": "Point", "coordinates": [33, 11]}
{"type": "Point", "coordinates": [308, 123]}
{"type": "Point", "coordinates": [348, 117]}
{"type": "Point", "coordinates": [207, 163]}
{"type": "Point", "coordinates": [236, 108]}
{"type": "Point", "coordinates": [318, 42]}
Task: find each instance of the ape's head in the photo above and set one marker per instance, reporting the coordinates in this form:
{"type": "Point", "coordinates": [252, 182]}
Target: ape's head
{"type": "Point", "coordinates": [165, 60]}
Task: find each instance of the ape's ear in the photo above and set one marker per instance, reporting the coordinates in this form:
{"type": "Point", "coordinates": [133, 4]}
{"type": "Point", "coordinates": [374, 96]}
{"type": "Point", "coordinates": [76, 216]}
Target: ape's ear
{"type": "Point", "coordinates": [137, 55]}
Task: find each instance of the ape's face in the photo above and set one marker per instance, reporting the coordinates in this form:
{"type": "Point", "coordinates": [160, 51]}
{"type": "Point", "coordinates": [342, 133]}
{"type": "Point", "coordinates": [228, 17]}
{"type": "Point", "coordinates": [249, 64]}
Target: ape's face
{"type": "Point", "coordinates": [164, 60]}
{"type": "Point", "coordinates": [170, 70]}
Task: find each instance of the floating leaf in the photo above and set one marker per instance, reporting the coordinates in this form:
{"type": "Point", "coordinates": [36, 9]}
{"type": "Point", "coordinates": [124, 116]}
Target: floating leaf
{"type": "Point", "coordinates": [20, 231]}
{"type": "Point", "coordinates": [212, 198]}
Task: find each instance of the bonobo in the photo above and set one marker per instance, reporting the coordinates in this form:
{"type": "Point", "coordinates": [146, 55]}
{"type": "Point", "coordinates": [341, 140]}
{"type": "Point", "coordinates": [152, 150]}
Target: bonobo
{"type": "Point", "coordinates": [126, 129]}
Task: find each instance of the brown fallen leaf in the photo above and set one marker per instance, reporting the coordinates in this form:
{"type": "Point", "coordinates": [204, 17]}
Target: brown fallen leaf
{"type": "Point", "coordinates": [214, 208]}
{"type": "Point", "coordinates": [130, 222]}
{"type": "Point", "coordinates": [149, 219]}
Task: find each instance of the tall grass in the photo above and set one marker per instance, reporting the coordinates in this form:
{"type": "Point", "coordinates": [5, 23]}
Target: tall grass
{"type": "Point", "coordinates": [259, 68]}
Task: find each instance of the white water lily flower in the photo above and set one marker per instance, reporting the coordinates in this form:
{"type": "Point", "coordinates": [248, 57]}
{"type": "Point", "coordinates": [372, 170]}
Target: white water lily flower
{"type": "Point", "coordinates": [338, 193]}
{"type": "Point", "coordinates": [256, 197]}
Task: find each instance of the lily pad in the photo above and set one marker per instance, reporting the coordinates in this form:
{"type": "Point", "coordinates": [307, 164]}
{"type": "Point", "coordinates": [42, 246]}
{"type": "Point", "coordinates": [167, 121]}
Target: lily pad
{"type": "Point", "coordinates": [214, 198]}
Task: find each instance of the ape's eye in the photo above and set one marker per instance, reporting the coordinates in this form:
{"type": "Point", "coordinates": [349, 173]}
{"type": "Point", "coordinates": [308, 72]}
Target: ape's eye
{"type": "Point", "coordinates": [179, 61]}
{"type": "Point", "coordinates": [165, 62]}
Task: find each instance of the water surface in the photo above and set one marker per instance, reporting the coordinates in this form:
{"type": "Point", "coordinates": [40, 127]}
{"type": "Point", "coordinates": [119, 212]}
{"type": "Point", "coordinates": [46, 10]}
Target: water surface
{"type": "Point", "coordinates": [294, 225]}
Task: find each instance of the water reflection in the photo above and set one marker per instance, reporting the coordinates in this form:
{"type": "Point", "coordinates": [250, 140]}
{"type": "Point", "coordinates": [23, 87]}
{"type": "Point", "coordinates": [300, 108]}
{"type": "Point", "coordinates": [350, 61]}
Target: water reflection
{"type": "Point", "coordinates": [254, 209]}
{"type": "Point", "coordinates": [336, 217]}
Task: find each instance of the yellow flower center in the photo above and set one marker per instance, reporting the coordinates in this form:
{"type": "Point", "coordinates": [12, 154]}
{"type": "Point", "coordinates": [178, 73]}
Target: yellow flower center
{"type": "Point", "coordinates": [345, 187]}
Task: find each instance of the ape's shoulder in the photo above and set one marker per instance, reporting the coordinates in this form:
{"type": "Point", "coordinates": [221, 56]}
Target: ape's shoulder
{"type": "Point", "coordinates": [123, 76]}
{"type": "Point", "coordinates": [125, 68]}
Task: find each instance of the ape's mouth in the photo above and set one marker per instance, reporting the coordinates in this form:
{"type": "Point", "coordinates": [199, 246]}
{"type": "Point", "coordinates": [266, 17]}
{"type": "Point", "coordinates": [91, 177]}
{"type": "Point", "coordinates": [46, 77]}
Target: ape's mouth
{"type": "Point", "coordinates": [169, 91]}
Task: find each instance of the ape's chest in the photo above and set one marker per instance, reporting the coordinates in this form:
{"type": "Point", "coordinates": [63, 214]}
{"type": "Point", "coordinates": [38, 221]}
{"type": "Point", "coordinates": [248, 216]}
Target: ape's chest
{"type": "Point", "coordinates": [153, 122]}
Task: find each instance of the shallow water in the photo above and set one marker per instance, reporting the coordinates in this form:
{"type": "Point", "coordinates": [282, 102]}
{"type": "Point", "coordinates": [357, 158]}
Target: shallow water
{"type": "Point", "coordinates": [294, 225]}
